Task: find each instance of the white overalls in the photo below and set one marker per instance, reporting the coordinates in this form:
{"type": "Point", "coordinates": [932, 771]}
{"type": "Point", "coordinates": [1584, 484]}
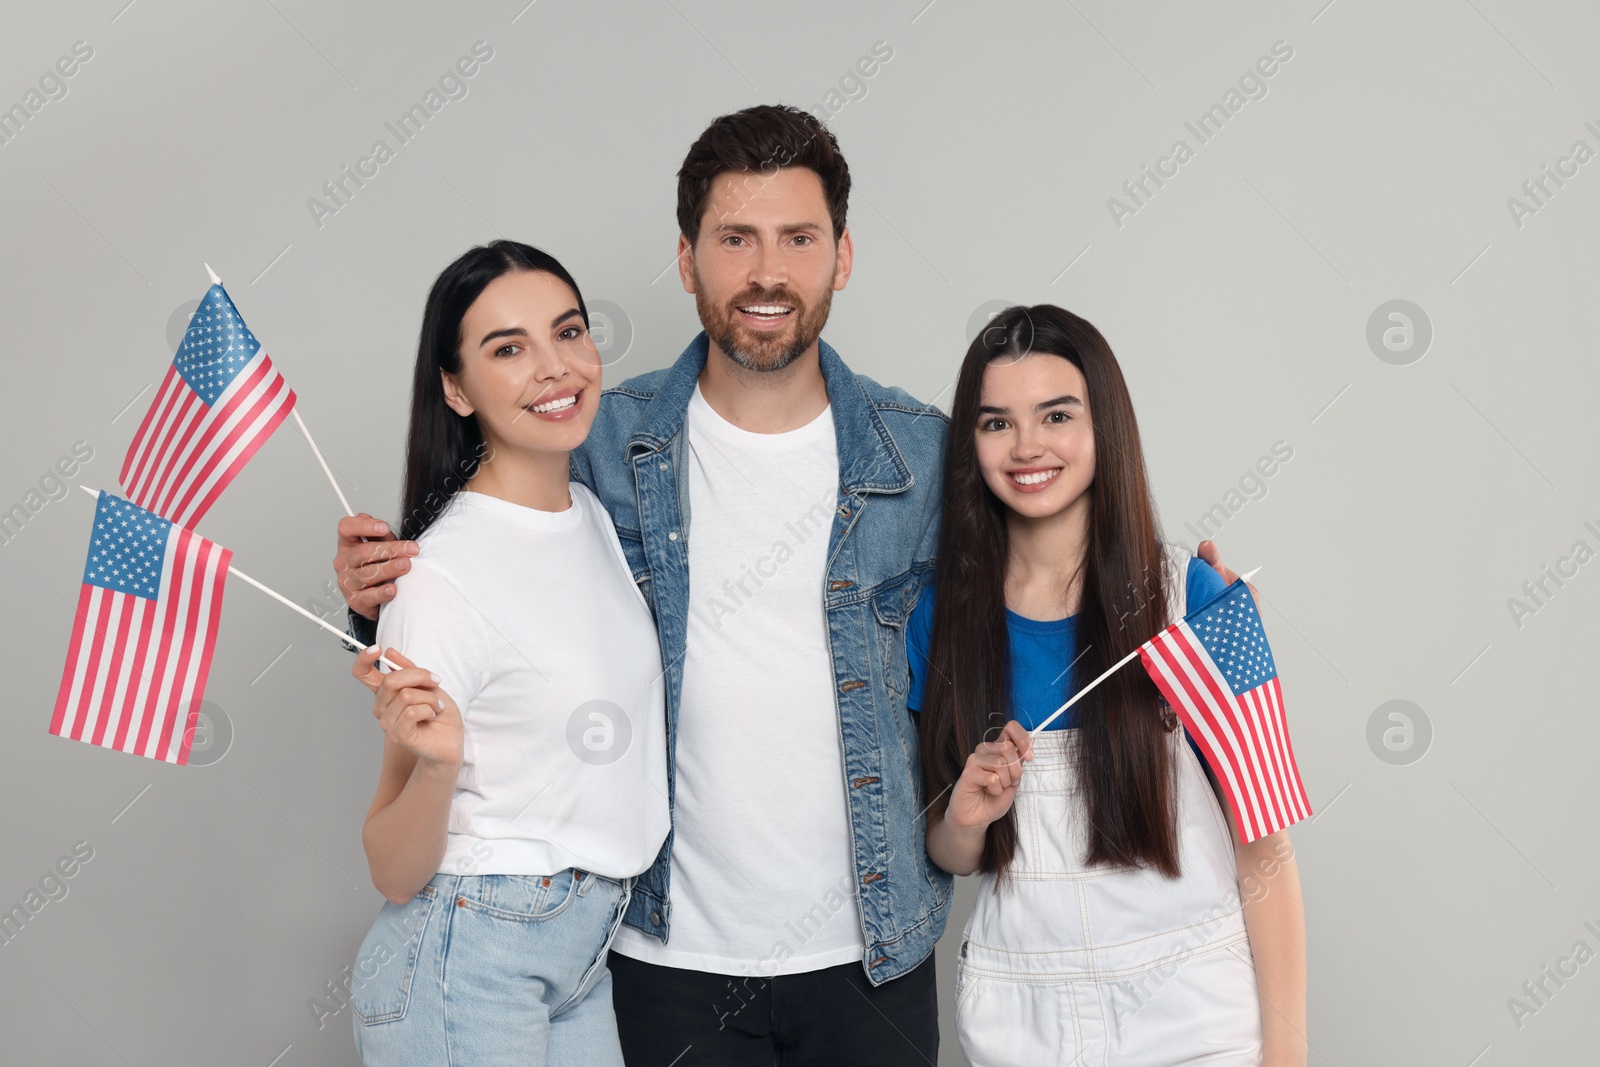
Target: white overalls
{"type": "Point", "coordinates": [1106, 967]}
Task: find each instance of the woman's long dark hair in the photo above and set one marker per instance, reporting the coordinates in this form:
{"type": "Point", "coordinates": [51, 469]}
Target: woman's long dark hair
{"type": "Point", "coordinates": [443, 449]}
{"type": "Point", "coordinates": [1125, 772]}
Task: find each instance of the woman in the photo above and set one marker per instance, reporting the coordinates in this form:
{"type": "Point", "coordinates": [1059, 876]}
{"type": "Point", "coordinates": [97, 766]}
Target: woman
{"type": "Point", "coordinates": [523, 784]}
{"type": "Point", "coordinates": [1111, 927]}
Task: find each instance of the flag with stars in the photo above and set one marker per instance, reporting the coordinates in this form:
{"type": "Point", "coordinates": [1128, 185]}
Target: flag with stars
{"type": "Point", "coordinates": [220, 400]}
{"type": "Point", "coordinates": [1215, 669]}
{"type": "Point", "coordinates": [142, 636]}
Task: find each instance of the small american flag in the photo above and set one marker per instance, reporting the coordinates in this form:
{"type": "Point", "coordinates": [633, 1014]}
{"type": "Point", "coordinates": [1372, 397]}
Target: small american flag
{"type": "Point", "coordinates": [1216, 670]}
{"type": "Point", "coordinates": [142, 637]}
{"type": "Point", "coordinates": [220, 400]}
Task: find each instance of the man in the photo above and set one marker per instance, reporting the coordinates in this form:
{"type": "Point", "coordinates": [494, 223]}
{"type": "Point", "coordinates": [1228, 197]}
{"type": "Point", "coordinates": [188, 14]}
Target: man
{"type": "Point", "coordinates": [792, 911]}
{"type": "Point", "coordinates": [801, 905]}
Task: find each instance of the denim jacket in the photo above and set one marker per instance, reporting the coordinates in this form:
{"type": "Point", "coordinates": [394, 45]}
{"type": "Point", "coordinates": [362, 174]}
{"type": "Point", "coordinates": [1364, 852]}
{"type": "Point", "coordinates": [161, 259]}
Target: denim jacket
{"type": "Point", "coordinates": [880, 554]}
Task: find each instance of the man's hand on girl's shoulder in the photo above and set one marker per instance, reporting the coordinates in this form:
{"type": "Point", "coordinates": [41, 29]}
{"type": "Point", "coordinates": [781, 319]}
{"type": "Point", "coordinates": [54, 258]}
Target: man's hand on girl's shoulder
{"type": "Point", "coordinates": [1207, 551]}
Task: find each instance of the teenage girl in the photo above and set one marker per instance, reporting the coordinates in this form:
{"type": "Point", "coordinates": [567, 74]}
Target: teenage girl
{"type": "Point", "coordinates": [1120, 918]}
{"type": "Point", "coordinates": [523, 785]}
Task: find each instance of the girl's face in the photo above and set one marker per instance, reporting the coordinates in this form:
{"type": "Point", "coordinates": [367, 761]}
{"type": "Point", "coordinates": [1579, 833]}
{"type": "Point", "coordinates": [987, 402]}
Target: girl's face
{"type": "Point", "coordinates": [529, 369]}
{"type": "Point", "coordinates": [1034, 440]}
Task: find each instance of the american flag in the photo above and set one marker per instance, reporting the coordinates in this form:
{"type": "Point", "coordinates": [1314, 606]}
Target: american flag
{"type": "Point", "coordinates": [1216, 670]}
{"type": "Point", "coordinates": [143, 634]}
{"type": "Point", "coordinates": [219, 401]}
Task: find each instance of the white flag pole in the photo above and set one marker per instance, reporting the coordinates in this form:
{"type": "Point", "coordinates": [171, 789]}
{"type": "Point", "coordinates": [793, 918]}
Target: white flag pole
{"type": "Point", "coordinates": [1109, 671]}
{"type": "Point", "coordinates": [280, 598]}
{"type": "Point", "coordinates": [346, 638]}
{"type": "Point", "coordinates": [295, 411]}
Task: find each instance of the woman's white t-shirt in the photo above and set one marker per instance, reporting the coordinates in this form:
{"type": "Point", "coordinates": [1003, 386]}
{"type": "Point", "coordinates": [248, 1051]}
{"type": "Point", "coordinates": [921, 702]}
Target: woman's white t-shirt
{"type": "Point", "coordinates": [533, 623]}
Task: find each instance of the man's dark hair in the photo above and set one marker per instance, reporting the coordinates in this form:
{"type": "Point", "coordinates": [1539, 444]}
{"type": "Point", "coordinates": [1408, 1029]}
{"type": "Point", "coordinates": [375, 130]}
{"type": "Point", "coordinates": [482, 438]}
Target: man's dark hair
{"type": "Point", "coordinates": [758, 141]}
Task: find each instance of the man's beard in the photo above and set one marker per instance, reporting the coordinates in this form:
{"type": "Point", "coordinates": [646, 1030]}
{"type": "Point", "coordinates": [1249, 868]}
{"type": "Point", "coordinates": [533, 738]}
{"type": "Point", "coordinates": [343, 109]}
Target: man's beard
{"type": "Point", "coordinates": [761, 351]}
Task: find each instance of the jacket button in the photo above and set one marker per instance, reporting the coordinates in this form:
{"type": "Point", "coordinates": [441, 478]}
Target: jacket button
{"type": "Point", "coordinates": [461, 902]}
{"type": "Point", "coordinates": [655, 918]}
{"type": "Point", "coordinates": [844, 512]}
{"type": "Point", "coordinates": [663, 466]}
{"type": "Point", "coordinates": [840, 584]}
{"type": "Point", "coordinates": [544, 881]}
{"type": "Point", "coordinates": [673, 536]}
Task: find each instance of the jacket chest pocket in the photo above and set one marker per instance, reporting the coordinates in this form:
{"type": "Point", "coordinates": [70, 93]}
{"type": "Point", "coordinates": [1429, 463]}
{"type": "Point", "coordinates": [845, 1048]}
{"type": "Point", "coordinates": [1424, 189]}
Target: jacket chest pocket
{"type": "Point", "coordinates": [891, 607]}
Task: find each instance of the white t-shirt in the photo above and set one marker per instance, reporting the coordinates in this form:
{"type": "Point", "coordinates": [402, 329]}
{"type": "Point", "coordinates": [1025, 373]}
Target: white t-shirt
{"type": "Point", "coordinates": [763, 872]}
{"type": "Point", "coordinates": [533, 624]}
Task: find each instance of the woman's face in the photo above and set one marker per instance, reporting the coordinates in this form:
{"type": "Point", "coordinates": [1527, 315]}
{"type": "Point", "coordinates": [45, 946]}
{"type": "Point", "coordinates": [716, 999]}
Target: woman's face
{"type": "Point", "coordinates": [529, 369]}
{"type": "Point", "coordinates": [1034, 440]}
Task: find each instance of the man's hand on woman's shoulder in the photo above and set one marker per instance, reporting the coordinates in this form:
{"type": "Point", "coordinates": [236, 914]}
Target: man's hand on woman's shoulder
{"type": "Point", "coordinates": [368, 561]}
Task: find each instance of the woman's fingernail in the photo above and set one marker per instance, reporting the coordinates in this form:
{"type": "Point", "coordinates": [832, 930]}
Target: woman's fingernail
{"type": "Point", "coordinates": [435, 677]}
{"type": "Point", "coordinates": [383, 527]}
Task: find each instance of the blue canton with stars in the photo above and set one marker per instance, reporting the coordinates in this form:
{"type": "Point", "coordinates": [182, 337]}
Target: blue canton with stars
{"type": "Point", "coordinates": [128, 548]}
{"type": "Point", "coordinates": [216, 346]}
{"type": "Point", "coordinates": [1230, 629]}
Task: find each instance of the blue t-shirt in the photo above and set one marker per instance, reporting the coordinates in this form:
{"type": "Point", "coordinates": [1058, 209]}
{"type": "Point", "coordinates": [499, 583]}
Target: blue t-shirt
{"type": "Point", "coordinates": [1040, 653]}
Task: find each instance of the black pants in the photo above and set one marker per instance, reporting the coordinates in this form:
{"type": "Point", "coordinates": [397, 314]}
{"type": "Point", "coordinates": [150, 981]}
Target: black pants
{"type": "Point", "coordinates": [829, 1018]}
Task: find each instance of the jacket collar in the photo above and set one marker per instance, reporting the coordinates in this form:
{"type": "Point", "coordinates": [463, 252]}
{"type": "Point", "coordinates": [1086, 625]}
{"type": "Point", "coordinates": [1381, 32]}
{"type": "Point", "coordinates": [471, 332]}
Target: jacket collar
{"type": "Point", "coordinates": [869, 460]}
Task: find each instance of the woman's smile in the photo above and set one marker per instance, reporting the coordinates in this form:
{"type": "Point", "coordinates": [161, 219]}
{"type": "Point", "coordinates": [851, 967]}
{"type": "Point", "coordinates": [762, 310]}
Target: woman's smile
{"type": "Point", "coordinates": [560, 408]}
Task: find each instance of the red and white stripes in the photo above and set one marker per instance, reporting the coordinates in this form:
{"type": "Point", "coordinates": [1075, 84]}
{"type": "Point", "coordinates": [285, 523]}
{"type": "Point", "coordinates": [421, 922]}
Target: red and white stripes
{"type": "Point", "coordinates": [1245, 737]}
{"type": "Point", "coordinates": [136, 666]}
{"type": "Point", "coordinates": [187, 451]}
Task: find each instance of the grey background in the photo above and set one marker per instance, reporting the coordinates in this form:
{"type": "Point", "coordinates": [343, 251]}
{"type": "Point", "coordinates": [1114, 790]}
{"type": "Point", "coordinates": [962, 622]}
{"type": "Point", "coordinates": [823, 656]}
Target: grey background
{"type": "Point", "coordinates": [221, 898]}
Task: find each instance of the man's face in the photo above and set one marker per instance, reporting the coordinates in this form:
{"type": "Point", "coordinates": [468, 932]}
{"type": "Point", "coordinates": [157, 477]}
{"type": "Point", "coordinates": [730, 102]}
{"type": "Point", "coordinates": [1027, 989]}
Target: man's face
{"type": "Point", "coordinates": [765, 266]}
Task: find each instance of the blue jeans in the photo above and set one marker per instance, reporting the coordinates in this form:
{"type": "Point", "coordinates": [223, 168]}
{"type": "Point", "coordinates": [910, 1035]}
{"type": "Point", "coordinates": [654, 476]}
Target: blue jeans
{"type": "Point", "coordinates": [492, 969]}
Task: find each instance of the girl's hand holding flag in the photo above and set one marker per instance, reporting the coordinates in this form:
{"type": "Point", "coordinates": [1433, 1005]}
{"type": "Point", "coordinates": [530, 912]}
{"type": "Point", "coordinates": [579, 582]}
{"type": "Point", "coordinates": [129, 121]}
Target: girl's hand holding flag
{"type": "Point", "coordinates": [983, 793]}
{"type": "Point", "coordinates": [988, 784]}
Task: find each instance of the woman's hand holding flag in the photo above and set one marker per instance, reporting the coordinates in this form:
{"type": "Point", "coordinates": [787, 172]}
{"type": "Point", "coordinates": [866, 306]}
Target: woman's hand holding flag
{"type": "Point", "coordinates": [414, 712]}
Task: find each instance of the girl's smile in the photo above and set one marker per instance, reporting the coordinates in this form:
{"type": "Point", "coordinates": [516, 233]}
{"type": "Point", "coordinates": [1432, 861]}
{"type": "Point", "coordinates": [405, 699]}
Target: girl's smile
{"type": "Point", "coordinates": [1033, 479]}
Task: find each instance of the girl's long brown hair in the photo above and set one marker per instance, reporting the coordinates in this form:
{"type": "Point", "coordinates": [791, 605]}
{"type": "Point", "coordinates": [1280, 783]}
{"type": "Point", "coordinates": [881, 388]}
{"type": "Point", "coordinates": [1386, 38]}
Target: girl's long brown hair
{"type": "Point", "coordinates": [1125, 771]}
